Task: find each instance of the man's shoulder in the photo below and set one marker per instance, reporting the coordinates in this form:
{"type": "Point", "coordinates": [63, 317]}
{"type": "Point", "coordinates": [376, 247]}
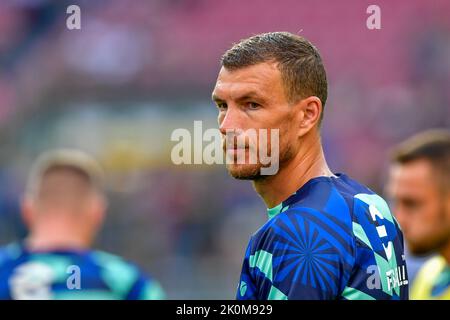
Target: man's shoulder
{"type": "Point", "coordinates": [338, 210]}
{"type": "Point", "coordinates": [114, 263]}
{"type": "Point", "coordinates": [325, 202]}
{"type": "Point", "coordinates": [307, 229]}
{"type": "Point", "coordinates": [426, 279]}
{"type": "Point", "coordinates": [431, 269]}
{"type": "Point", "coordinates": [331, 196]}
{"type": "Point", "coordinates": [351, 204]}
{"type": "Point", "coordinates": [125, 277]}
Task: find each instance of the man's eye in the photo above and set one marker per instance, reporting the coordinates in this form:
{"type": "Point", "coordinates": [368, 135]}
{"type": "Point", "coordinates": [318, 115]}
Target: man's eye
{"type": "Point", "coordinates": [222, 106]}
{"type": "Point", "coordinates": [411, 204]}
{"type": "Point", "coordinates": [253, 105]}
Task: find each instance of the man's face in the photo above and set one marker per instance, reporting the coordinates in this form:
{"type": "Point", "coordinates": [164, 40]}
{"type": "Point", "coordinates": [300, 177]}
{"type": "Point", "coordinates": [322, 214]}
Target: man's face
{"type": "Point", "coordinates": [253, 98]}
{"type": "Point", "coordinates": [420, 205]}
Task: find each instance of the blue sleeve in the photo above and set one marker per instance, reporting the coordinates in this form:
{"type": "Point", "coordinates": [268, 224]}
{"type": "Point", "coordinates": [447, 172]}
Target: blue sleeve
{"type": "Point", "coordinates": [301, 255]}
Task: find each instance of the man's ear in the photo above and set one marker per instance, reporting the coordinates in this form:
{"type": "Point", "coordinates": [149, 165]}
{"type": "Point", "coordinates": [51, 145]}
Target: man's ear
{"type": "Point", "coordinates": [99, 206]}
{"type": "Point", "coordinates": [309, 114]}
{"type": "Point", "coordinates": [27, 211]}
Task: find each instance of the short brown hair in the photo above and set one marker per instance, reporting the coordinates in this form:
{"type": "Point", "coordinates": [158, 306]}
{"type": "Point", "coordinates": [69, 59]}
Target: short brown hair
{"type": "Point", "coordinates": [73, 160]}
{"type": "Point", "coordinates": [431, 145]}
{"type": "Point", "coordinates": [299, 62]}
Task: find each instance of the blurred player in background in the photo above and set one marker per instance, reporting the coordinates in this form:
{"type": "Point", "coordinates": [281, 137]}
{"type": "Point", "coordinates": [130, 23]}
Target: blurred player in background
{"type": "Point", "coordinates": [64, 207]}
{"type": "Point", "coordinates": [419, 185]}
{"type": "Point", "coordinates": [327, 236]}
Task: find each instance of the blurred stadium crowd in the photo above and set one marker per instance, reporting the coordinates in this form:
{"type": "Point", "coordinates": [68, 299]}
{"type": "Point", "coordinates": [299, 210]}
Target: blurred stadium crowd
{"type": "Point", "coordinates": [137, 70]}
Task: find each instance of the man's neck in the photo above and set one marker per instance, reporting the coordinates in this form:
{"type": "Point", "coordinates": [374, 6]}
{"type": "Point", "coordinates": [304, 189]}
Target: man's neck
{"type": "Point", "coordinates": [308, 163]}
{"type": "Point", "coordinates": [55, 240]}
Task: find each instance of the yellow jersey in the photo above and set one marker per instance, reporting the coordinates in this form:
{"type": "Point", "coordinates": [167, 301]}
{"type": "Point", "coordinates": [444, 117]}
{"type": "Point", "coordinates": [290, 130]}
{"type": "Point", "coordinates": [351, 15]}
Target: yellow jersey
{"type": "Point", "coordinates": [432, 281]}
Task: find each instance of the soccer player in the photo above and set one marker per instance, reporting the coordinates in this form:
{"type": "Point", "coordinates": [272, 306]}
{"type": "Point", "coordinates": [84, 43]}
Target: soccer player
{"type": "Point", "coordinates": [63, 207]}
{"type": "Point", "coordinates": [419, 185]}
{"type": "Point", "coordinates": [327, 236]}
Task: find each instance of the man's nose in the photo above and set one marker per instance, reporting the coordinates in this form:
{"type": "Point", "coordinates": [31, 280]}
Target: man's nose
{"type": "Point", "coordinates": [230, 121]}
